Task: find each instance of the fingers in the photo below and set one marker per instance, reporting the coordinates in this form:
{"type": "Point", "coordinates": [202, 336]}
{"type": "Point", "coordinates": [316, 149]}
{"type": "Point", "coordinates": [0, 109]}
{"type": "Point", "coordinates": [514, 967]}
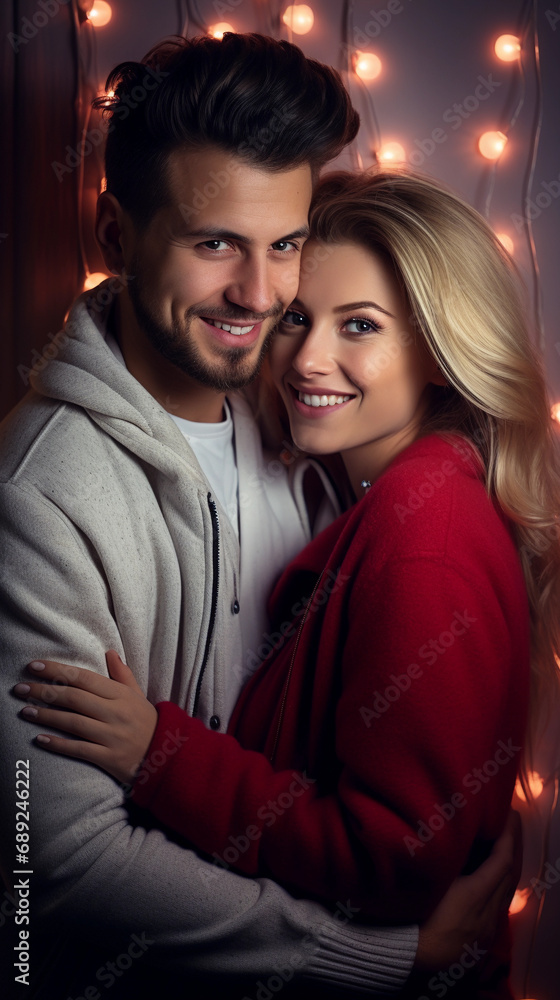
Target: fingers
{"type": "Point", "coordinates": [73, 748]}
{"type": "Point", "coordinates": [77, 677]}
{"type": "Point", "coordinates": [68, 722]}
{"type": "Point", "coordinates": [119, 670]}
{"type": "Point", "coordinates": [73, 699]}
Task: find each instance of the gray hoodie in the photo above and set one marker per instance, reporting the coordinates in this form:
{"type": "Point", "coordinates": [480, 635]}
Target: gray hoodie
{"type": "Point", "coordinates": [111, 538]}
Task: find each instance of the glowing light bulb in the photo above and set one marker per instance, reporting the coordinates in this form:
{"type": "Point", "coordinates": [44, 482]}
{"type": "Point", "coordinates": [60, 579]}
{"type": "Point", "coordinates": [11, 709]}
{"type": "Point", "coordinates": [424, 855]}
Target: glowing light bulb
{"type": "Point", "coordinates": [519, 901]}
{"type": "Point", "coordinates": [391, 152]}
{"type": "Point", "coordinates": [299, 17]}
{"type": "Point", "coordinates": [110, 93]}
{"type": "Point", "coordinates": [506, 242]}
{"type": "Point", "coordinates": [92, 280]}
{"type": "Point", "coordinates": [367, 65]}
{"type": "Point", "coordinates": [218, 30]}
{"type": "Point", "coordinates": [555, 414]}
{"type": "Point", "coordinates": [492, 144]}
{"type": "Point", "coordinates": [100, 14]}
{"type": "Point", "coordinates": [535, 782]}
{"type": "Point", "coordinates": [507, 48]}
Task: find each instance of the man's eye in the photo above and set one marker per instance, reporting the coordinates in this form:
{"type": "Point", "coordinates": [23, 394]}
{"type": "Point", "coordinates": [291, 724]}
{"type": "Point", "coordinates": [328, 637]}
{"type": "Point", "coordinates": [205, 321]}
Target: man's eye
{"type": "Point", "coordinates": [214, 244]}
{"type": "Point", "coordinates": [293, 318]}
{"type": "Point", "coordinates": [285, 246]}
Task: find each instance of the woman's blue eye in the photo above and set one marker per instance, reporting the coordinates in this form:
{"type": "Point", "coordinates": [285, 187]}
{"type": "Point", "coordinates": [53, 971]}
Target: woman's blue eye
{"type": "Point", "coordinates": [293, 318]}
{"type": "Point", "coordinates": [362, 326]}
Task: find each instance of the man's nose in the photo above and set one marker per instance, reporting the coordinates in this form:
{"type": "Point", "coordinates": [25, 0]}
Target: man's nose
{"type": "Point", "coordinates": [252, 287]}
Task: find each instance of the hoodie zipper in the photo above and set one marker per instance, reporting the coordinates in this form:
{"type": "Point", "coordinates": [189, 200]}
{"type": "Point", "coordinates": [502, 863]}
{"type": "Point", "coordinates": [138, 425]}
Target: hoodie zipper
{"type": "Point", "coordinates": [214, 605]}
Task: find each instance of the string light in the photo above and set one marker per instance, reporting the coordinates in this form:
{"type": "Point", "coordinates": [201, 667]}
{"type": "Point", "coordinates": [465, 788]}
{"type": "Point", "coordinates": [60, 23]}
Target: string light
{"type": "Point", "coordinates": [299, 18]}
{"type": "Point", "coordinates": [492, 144]}
{"type": "Point", "coordinates": [92, 280]}
{"type": "Point", "coordinates": [555, 414]}
{"type": "Point", "coordinates": [367, 65]}
{"type": "Point", "coordinates": [218, 30]}
{"type": "Point", "coordinates": [506, 242]}
{"type": "Point", "coordinates": [100, 14]}
{"type": "Point", "coordinates": [507, 48]}
{"type": "Point", "coordinates": [391, 152]}
{"type": "Point", "coordinates": [519, 901]}
{"type": "Point", "coordinates": [536, 785]}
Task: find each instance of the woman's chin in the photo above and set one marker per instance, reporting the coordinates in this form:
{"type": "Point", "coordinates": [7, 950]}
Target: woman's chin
{"type": "Point", "coordinates": [310, 444]}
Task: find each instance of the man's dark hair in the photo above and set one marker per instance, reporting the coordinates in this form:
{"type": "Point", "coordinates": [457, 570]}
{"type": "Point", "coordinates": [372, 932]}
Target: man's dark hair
{"type": "Point", "coordinates": [249, 95]}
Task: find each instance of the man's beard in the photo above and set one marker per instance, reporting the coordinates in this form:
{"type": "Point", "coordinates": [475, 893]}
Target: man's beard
{"type": "Point", "coordinates": [176, 344]}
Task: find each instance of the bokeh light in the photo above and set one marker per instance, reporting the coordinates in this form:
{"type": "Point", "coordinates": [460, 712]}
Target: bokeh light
{"type": "Point", "coordinates": [367, 65]}
{"type": "Point", "coordinates": [536, 785]}
{"type": "Point", "coordinates": [218, 30]}
{"type": "Point", "coordinates": [519, 901]}
{"type": "Point", "coordinates": [507, 48]}
{"type": "Point", "coordinates": [100, 14]}
{"type": "Point", "coordinates": [492, 144]}
{"type": "Point", "coordinates": [299, 18]}
{"type": "Point", "coordinates": [391, 152]}
{"type": "Point", "coordinates": [92, 280]}
{"type": "Point", "coordinates": [506, 242]}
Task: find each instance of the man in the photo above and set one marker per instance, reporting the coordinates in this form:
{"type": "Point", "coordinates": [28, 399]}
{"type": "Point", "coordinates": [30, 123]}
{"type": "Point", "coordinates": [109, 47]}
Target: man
{"type": "Point", "coordinates": [139, 512]}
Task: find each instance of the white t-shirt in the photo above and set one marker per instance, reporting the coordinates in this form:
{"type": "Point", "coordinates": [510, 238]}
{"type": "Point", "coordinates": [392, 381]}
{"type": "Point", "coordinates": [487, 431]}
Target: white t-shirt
{"type": "Point", "coordinates": [214, 448]}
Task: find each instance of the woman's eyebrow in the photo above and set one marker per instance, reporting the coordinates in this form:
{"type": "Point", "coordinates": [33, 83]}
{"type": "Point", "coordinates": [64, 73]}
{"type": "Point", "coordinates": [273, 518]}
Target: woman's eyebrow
{"type": "Point", "coordinates": [363, 305]}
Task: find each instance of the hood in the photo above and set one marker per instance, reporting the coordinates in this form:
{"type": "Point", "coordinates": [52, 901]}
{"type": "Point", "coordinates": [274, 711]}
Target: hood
{"type": "Point", "coordinates": [79, 368]}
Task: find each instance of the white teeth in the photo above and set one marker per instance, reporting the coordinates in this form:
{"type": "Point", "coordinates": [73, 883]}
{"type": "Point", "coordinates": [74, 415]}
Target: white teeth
{"type": "Point", "coordinates": [322, 400]}
{"type": "Point", "coordinates": [236, 330]}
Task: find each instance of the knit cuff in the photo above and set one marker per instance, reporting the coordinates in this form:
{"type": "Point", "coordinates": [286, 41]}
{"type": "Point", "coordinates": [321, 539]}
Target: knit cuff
{"type": "Point", "coordinates": [362, 960]}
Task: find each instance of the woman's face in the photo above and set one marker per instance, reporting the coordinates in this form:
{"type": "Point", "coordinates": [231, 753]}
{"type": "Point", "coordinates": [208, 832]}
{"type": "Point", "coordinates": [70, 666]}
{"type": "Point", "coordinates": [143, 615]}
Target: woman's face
{"type": "Point", "coordinates": [350, 368]}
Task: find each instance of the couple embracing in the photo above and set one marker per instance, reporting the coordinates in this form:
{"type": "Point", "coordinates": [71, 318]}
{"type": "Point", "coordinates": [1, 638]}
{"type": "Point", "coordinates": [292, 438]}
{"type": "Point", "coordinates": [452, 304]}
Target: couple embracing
{"type": "Point", "coordinates": [311, 411]}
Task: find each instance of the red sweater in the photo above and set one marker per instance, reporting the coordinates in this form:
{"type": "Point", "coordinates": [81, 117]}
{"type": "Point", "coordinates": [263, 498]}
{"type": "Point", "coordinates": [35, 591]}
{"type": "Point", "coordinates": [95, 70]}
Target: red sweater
{"type": "Point", "coordinates": [387, 723]}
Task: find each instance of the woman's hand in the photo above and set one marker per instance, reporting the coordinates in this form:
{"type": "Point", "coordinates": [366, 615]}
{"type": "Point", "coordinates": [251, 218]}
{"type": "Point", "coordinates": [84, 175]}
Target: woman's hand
{"type": "Point", "coordinates": [113, 717]}
{"type": "Point", "coordinates": [470, 911]}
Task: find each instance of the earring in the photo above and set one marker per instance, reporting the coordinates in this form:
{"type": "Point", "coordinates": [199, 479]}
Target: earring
{"type": "Point", "coordinates": [365, 483]}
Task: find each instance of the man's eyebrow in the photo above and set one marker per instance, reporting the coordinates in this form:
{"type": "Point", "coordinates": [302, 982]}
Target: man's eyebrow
{"type": "Point", "coordinates": [215, 233]}
{"type": "Point", "coordinates": [363, 305]}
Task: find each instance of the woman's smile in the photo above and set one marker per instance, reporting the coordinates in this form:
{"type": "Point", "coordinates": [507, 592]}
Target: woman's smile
{"type": "Point", "coordinates": [350, 368]}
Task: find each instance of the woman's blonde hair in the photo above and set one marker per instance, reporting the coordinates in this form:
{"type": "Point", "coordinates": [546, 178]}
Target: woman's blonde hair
{"type": "Point", "coordinates": [465, 299]}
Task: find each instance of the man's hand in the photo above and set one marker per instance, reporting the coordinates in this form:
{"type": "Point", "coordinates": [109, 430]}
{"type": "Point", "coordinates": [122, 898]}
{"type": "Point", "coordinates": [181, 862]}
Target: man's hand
{"type": "Point", "coordinates": [471, 908]}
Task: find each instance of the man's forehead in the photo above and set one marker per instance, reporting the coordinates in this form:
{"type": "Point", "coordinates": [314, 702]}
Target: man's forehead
{"type": "Point", "coordinates": [212, 170]}
{"type": "Point", "coordinates": [213, 190]}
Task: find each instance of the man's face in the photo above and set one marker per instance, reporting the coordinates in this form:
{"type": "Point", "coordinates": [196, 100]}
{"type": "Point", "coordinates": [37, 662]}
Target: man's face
{"type": "Point", "coordinates": [223, 253]}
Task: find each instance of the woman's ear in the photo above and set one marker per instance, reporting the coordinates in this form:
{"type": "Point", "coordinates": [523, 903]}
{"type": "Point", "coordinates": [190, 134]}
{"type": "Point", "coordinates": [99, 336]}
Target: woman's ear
{"type": "Point", "coordinates": [109, 225]}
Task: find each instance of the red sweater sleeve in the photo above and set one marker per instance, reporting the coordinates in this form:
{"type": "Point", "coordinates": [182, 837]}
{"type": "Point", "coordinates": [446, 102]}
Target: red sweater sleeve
{"type": "Point", "coordinates": [425, 668]}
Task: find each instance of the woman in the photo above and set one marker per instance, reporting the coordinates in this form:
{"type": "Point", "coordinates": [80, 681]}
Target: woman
{"type": "Point", "coordinates": [374, 755]}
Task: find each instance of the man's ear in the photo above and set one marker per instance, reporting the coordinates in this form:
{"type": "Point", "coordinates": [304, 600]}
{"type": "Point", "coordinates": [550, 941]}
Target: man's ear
{"type": "Point", "coordinates": [109, 230]}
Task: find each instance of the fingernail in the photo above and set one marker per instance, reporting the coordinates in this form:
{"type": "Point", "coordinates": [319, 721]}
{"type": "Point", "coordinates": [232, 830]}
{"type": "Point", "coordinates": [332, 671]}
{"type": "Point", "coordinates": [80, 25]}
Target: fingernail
{"type": "Point", "coordinates": [22, 689]}
{"type": "Point", "coordinates": [29, 712]}
{"type": "Point", "coordinates": [36, 665]}
{"type": "Point", "coordinates": [42, 739]}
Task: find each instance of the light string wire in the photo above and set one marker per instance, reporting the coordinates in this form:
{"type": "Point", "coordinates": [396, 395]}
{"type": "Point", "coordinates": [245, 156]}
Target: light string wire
{"type": "Point", "coordinates": [373, 129]}
{"type": "Point", "coordinates": [528, 185]}
{"type": "Point", "coordinates": [545, 850]}
{"type": "Point", "coordinates": [527, 29]}
{"type": "Point", "coordinates": [182, 19]}
{"type": "Point", "coordinates": [507, 128]}
{"type": "Point", "coordinates": [85, 55]}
